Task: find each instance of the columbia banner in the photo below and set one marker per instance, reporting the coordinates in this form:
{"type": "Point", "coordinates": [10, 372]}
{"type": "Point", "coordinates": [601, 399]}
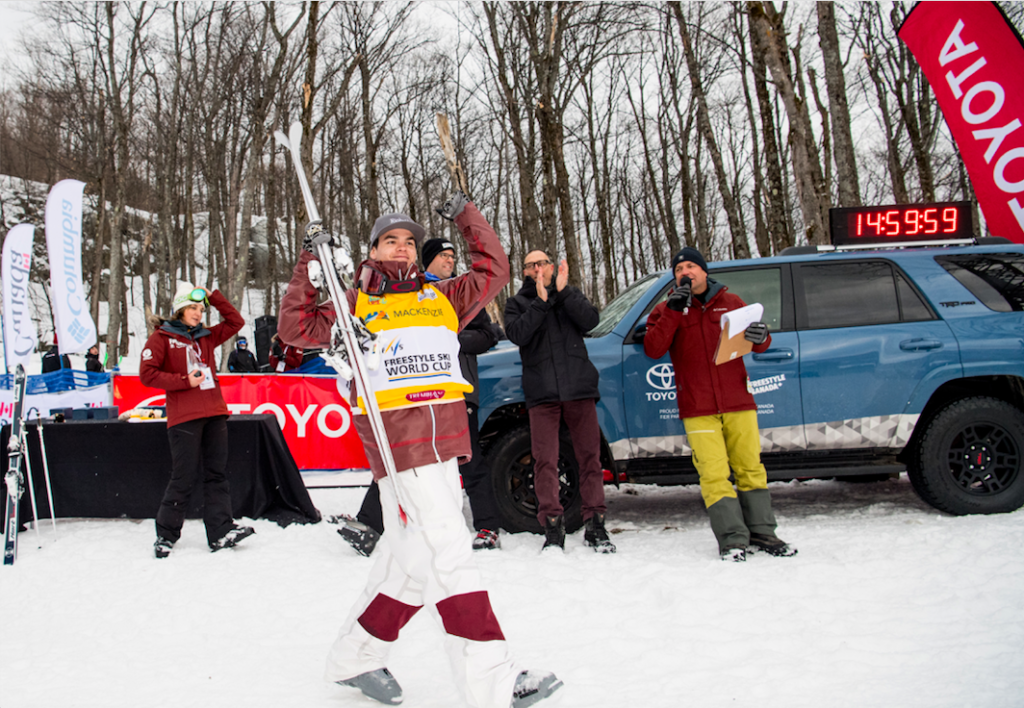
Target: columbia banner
{"type": "Point", "coordinates": [19, 331]}
{"type": "Point", "coordinates": [73, 325]}
{"type": "Point", "coordinates": [974, 60]}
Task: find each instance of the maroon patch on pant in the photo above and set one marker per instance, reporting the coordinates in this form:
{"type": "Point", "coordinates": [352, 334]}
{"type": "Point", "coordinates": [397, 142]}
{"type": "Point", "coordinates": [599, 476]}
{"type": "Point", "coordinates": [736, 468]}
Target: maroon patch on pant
{"type": "Point", "coordinates": [470, 616]}
{"type": "Point", "coordinates": [385, 616]}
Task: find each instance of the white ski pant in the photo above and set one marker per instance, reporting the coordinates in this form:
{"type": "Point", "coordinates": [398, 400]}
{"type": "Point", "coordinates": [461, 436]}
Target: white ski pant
{"type": "Point", "coordinates": [428, 562]}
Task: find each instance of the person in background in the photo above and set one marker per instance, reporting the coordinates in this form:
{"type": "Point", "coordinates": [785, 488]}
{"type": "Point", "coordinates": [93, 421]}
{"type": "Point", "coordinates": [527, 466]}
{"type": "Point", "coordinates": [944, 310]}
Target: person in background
{"type": "Point", "coordinates": [241, 360]}
{"type": "Point", "coordinates": [547, 319]}
{"type": "Point", "coordinates": [717, 409]}
{"type": "Point", "coordinates": [283, 358]}
{"type": "Point", "coordinates": [92, 360]}
{"type": "Point", "coordinates": [53, 360]}
{"type": "Point", "coordinates": [363, 531]}
{"type": "Point", "coordinates": [179, 358]}
{"type": "Point", "coordinates": [428, 558]}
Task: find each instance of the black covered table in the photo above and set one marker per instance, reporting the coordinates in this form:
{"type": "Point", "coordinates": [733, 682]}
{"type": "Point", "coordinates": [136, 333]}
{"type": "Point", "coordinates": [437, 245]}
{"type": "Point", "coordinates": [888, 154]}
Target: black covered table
{"type": "Point", "coordinates": [112, 469]}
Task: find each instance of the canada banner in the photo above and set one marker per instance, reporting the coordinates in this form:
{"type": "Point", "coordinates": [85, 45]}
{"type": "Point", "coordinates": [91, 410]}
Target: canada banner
{"type": "Point", "coordinates": [974, 60]}
{"type": "Point", "coordinates": [316, 422]}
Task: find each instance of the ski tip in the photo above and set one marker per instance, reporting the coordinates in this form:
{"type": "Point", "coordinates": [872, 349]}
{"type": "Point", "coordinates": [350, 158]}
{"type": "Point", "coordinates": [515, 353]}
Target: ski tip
{"type": "Point", "coordinates": [282, 139]}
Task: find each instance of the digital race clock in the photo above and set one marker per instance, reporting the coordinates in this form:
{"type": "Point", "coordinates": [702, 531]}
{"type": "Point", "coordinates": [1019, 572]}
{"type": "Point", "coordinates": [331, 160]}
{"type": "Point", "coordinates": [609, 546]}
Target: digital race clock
{"type": "Point", "coordinates": [943, 221]}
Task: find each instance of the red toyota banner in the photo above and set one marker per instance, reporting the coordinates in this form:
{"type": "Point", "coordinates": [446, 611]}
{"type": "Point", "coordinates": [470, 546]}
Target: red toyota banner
{"type": "Point", "coordinates": [974, 60]}
{"type": "Point", "coordinates": [316, 422]}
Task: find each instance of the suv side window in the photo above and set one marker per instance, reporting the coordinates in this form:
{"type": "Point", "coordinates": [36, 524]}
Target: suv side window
{"type": "Point", "coordinates": [996, 279]}
{"type": "Point", "coordinates": [912, 306]}
{"type": "Point", "coordinates": [763, 285]}
{"type": "Point", "coordinates": [849, 294]}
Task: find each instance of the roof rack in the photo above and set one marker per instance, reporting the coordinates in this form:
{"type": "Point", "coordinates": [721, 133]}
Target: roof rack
{"type": "Point", "coordinates": [976, 241]}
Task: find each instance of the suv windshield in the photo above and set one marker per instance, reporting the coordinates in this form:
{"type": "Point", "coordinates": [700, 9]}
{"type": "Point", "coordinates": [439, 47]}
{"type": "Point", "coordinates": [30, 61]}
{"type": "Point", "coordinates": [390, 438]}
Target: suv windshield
{"type": "Point", "coordinates": [617, 308]}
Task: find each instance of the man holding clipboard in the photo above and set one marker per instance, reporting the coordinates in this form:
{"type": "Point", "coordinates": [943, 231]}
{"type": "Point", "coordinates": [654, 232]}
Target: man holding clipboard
{"type": "Point", "coordinates": [717, 409]}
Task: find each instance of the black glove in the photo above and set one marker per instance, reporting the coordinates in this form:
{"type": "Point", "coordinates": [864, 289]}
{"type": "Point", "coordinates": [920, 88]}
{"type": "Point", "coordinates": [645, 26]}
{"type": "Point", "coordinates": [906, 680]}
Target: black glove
{"type": "Point", "coordinates": [756, 333]}
{"type": "Point", "coordinates": [680, 297]}
{"type": "Point", "coordinates": [454, 206]}
{"type": "Point", "coordinates": [315, 235]}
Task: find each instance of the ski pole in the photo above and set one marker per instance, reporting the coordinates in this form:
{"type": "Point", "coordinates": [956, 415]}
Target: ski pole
{"type": "Point", "coordinates": [46, 477]}
{"type": "Point", "coordinates": [28, 474]}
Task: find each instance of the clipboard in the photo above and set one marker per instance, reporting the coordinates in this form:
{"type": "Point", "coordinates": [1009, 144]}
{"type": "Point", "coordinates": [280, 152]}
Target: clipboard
{"type": "Point", "coordinates": [732, 344]}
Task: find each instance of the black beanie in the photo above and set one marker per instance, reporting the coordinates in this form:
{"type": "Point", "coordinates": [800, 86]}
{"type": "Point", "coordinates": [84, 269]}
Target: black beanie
{"type": "Point", "coordinates": [433, 247]}
{"type": "Point", "coordinates": [690, 254]}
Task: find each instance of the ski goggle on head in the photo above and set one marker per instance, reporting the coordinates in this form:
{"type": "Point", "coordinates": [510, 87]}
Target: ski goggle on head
{"type": "Point", "coordinates": [373, 282]}
{"type": "Point", "coordinates": [199, 295]}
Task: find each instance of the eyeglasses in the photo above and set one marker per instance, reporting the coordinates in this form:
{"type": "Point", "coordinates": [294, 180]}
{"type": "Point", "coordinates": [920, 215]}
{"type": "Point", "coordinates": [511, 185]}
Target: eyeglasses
{"type": "Point", "coordinates": [536, 264]}
{"type": "Point", "coordinates": [445, 256]}
{"type": "Point", "coordinates": [198, 295]}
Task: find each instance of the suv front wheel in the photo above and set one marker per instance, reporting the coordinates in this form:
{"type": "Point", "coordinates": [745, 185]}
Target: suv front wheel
{"type": "Point", "coordinates": [511, 461]}
{"type": "Point", "coordinates": [969, 459]}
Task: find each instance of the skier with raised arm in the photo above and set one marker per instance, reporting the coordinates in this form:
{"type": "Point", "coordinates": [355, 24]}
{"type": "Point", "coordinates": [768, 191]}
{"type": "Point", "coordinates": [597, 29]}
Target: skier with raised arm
{"type": "Point", "coordinates": [427, 558]}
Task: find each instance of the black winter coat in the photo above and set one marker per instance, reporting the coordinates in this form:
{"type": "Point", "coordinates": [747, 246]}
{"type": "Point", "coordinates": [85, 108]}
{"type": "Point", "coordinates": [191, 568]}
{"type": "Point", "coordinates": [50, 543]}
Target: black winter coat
{"type": "Point", "coordinates": [556, 366]}
{"type": "Point", "coordinates": [475, 338]}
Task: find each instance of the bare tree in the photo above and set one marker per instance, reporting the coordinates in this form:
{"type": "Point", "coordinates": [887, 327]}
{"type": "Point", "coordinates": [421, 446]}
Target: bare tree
{"type": "Point", "coordinates": [845, 158]}
{"type": "Point", "coordinates": [739, 237]}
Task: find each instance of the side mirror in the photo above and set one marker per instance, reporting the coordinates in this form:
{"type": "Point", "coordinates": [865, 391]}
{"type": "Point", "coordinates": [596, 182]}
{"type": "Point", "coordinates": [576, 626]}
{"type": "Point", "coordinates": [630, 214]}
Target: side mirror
{"type": "Point", "coordinates": [640, 330]}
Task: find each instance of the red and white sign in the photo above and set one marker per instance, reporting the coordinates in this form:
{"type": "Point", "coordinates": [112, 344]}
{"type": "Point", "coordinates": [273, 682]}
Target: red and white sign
{"type": "Point", "coordinates": [973, 60]}
{"type": "Point", "coordinates": [315, 419]}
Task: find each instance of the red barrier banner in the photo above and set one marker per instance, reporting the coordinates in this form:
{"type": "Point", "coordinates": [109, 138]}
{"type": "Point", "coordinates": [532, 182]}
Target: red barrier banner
{"type": "Point", "coordinates": [974, 60]}
{"type": "Point", "coordinates": [315, 420]}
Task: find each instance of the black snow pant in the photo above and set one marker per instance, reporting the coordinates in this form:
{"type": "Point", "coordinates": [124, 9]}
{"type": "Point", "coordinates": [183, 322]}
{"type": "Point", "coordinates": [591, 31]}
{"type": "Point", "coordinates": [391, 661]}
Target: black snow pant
{"type": "Point", "coordinates": [476, 478]}
{"type": "Point", "coordinates": [198, 448]}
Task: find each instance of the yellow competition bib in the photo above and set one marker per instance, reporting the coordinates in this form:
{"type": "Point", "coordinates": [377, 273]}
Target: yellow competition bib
{"type": "Point", "coordinates": [419, 342]}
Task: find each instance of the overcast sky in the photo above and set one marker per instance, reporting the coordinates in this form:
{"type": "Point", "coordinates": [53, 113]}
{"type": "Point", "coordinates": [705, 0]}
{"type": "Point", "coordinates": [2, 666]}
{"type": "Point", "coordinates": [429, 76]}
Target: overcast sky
{"type": "Point", "coordinates": [15, 15]}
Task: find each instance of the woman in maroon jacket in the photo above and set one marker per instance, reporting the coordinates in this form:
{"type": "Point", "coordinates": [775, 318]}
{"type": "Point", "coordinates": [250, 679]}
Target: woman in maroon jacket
{"type": "Point", "coordinates": [179, 358]}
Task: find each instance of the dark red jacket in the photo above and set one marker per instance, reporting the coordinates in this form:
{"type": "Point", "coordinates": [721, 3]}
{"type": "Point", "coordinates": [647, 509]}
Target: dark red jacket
{"type": "Point", "coordinates": [165, 365]}
{"type": "Point", "coordinates": [425, 434]}
{"type": "Point", "coordinates": [702, 388]}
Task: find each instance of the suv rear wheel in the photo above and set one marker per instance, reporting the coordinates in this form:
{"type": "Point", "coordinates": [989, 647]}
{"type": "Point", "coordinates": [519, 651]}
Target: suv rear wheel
{"type": "Point", "coordinates": [969, 460]}
{"type": "Point", "coordinates": [511, 461]}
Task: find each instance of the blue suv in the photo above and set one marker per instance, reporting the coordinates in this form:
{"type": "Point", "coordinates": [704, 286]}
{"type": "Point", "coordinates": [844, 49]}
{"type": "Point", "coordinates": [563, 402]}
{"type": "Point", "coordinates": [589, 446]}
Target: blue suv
{"type": "Point", "coordinates": [882, 361]}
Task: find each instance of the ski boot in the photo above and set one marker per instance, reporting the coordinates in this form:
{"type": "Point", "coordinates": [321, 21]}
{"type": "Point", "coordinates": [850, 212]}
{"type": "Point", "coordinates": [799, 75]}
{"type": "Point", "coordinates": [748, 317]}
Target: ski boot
{"type": "Point", "coordinates": [532, 687]}
{"type": "Point", "coordinates": [379, 685]}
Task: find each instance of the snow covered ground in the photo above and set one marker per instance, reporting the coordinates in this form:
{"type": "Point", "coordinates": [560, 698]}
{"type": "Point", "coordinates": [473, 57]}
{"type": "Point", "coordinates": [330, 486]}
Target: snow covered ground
{"type": "Point", "coordinates": [889, 603]}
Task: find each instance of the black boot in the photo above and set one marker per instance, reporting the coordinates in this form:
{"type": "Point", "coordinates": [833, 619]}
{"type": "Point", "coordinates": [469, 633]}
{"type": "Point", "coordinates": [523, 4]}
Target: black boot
{"type": "Point", "coordinates": [596, 537]}
{"type": "Point", "coordinates": [726, 518]}
{"type": "Point", "coordinates": [554, 532]}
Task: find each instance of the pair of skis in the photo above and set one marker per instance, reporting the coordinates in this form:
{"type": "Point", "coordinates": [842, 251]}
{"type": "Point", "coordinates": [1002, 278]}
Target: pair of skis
{"type": "Point", "coordinates": [14, 478]}
{"type": "Point", "coordinates": [353, 350]}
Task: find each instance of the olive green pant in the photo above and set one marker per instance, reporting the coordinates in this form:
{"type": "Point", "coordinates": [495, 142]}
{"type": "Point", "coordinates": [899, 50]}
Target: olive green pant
{"type": "Point", "coordinates": [724, 444]}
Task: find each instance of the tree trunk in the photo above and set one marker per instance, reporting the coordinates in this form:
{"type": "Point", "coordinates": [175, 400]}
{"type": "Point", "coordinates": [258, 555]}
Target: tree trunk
{"type": "Point", "coordinates": [842, 134]}
{"type": "Point", "coordinates": [739, 235]}
{"type": "Point", "coordinates": [770, 40]}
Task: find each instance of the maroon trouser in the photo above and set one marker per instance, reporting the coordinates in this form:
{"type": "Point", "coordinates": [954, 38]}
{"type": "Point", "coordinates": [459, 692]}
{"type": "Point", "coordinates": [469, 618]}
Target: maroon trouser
{"type": "Point", "coordinates": [581, 419]}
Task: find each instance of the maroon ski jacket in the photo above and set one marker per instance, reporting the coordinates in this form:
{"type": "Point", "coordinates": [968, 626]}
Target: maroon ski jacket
{"type": "Point", "coordinates": [165, 365]}
{"type": "Point", "coordinates": [425, 434]}
{"type": "Point", "coordinates": [702, 388]}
